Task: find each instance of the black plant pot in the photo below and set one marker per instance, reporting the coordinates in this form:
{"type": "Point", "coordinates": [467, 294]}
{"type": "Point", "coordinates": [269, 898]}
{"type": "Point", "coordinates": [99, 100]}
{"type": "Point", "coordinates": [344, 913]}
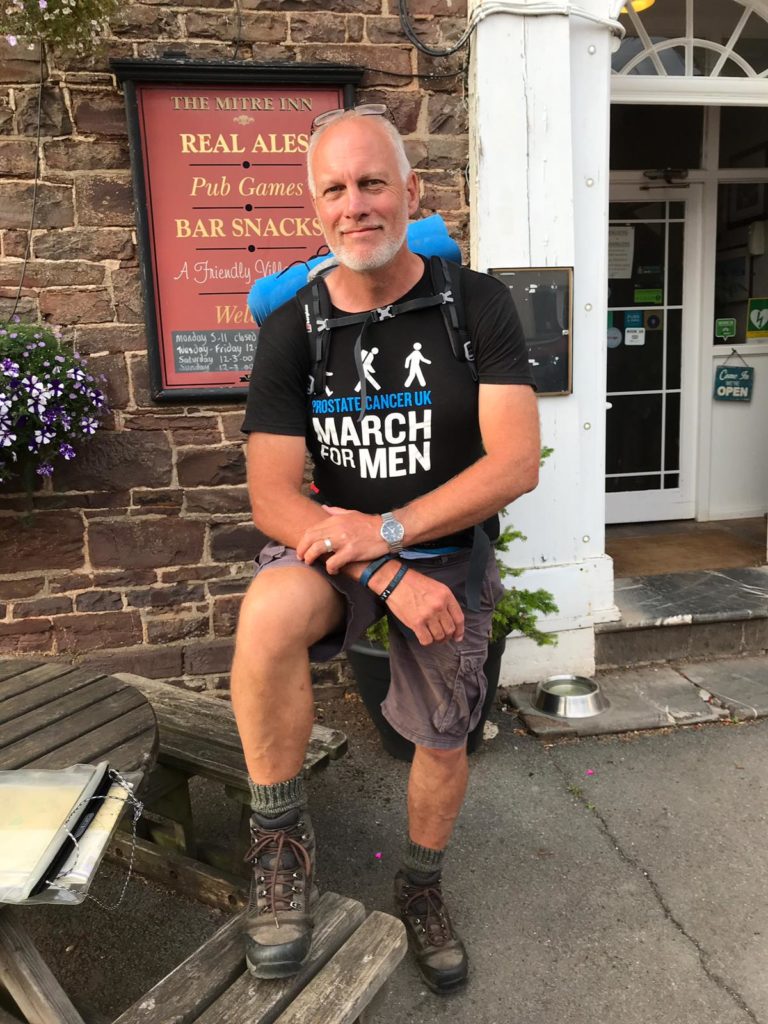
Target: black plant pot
{"type": "Point", "coordinates": [370, 665]}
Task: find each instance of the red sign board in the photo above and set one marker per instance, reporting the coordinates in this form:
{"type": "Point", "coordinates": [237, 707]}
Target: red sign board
{"type": "Point", "coordinates": [227, 202]}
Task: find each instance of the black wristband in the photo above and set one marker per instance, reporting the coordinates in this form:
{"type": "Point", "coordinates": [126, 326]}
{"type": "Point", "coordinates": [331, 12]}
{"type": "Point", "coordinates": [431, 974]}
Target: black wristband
{"type": "Point", "coordinates": [386, 592]}
{"type": "Point", "coordinates": [373, 567]}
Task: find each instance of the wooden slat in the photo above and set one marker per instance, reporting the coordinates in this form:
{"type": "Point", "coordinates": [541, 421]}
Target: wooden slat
{"type": "Point", "coordinates": [29, 980]}
{"type": "Point", "coordinates": [61, 707]}
{"type": "Point", "coordinates": [6, 1018]}
{"type": "Point", "coordinates": [39, 696]}
{"type": "Point", "coordinates": [255, 1001]}
{"type": "Point", "coordinates": [74, 729]}
{"type": "Point", "coordinates": [352, 978]}
{"type": "Point", "coordinates": [192, 986]}
{"type": "Point", "coordinates": [17, 685]}
{"type": "Point", "coordinates": [99, 743]}
{"type": "Point", "coordinates": [199, 881]}
{"type": "Point", "coordinates": [138, 754]}
{"type": "Point", "coordinates": [14, 666]}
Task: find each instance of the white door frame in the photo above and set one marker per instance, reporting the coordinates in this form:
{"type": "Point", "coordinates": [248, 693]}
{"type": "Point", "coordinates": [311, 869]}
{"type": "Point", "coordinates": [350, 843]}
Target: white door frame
{"type": "Point", "coordinates": [622, 507]}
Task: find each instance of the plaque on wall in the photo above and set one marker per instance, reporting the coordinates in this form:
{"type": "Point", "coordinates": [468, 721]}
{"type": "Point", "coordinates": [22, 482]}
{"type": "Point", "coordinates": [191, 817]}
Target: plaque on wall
{"type": "Point", "coordinates": [218, 154]}
{"type": "Point", "coordinates": [544, 301]}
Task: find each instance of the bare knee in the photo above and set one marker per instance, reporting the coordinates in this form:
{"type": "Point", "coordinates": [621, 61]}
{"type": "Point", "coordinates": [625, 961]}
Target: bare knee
{"type": "Point", "coordinates": [287, 610]}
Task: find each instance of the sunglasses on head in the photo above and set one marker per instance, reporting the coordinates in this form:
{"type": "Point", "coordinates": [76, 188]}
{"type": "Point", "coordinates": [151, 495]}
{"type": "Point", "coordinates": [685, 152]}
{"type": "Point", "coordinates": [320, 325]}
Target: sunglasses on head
{"type": "Point", "coordinates": [364, 110]}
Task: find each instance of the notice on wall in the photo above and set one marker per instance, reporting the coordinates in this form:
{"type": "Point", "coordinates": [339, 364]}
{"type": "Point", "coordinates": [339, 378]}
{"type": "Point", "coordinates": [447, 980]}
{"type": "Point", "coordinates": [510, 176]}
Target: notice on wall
{"type": "Point", "coordinates": [621, 251]}
{"type": "Point", "coordinates": [225, 203]}
{"type": "Point", "coordinates": [734, 383]}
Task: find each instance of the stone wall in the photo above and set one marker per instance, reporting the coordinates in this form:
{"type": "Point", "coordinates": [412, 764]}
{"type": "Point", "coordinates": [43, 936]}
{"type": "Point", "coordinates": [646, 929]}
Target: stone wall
{"type": "Point", "coordinates": [137, 553]}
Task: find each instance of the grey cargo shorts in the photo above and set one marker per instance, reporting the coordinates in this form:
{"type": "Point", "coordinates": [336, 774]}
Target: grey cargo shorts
{"type": "Point", "coordinates": [436, 695]}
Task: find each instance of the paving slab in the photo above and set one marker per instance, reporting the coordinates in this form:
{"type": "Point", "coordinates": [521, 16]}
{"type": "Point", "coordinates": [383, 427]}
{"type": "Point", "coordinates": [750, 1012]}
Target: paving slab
{"type": "Point", "coordinates": [690, 810]}
{"type": "Point", "coordinates": [738, 684]}
{"type": "Point", "coordinates": [653, 697]}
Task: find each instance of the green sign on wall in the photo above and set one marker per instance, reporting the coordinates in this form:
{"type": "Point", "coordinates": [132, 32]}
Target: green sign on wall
{"type": "Point", "coordinates": [725, 327]}
{"type": "Point", "coordinates": [734, 383]}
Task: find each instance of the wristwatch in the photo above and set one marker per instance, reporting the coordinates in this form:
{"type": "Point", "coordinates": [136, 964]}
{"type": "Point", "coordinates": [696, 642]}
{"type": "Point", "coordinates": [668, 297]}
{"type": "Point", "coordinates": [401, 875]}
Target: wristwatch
{"type": "Point", "coordinates": [392, 531]}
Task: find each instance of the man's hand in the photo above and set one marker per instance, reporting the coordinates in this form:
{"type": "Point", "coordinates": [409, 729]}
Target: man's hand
{"type": "Point", "coordinates": [354, 537]}
{"type": "Point", "coordinates": [425, 606]}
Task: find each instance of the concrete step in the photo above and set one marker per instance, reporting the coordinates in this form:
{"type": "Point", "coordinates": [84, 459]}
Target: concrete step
{"type": "Point", "coordinates": [684, 616]}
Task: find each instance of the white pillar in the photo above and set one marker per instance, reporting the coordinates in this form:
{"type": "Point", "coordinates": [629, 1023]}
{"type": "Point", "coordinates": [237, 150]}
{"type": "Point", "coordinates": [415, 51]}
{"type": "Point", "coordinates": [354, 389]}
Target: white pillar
{"type": "Point", "coordinates": [540, 93]}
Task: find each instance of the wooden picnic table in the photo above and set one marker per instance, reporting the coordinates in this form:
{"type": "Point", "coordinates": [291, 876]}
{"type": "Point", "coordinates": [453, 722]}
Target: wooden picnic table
{"type": "Point", "coordinates": [53, 715]}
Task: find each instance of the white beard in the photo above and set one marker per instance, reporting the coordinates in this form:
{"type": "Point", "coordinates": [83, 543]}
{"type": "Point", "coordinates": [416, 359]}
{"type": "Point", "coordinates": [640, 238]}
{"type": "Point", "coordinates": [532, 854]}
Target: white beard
{"type": "Point", "coordinates": [384, 252]}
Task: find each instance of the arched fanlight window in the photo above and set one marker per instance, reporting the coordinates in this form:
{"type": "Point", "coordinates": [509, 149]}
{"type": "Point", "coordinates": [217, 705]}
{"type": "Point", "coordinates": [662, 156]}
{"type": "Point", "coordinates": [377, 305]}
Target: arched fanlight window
{"type": "Point", "coordinates": [694, 39]}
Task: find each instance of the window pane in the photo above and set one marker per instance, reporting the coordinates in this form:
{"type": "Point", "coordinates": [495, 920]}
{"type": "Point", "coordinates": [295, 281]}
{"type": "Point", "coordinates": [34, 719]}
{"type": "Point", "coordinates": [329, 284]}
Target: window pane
{"type": "Point", "coordinates": [753, 43]}
{"type": "Point", "coordinates": [632, 483]}
{"type": "Point", "coordinates": [674, 346]}
{"type": "Point", "coordinates": [634, 434]}
{"type": "Point", "coordinates": [743, 136]}
{"type": "Point", "coordinates": [636, 367]}
{"type": "Point", "coordinates": [645, 137]}
{"type": "Point", "coordinates": [645, 287]}
{"type": "Point", "coordinates": [675, 264]}
{"type": "Point", "coordinates": [672, 433]}
{"type": "Point", "coordinates": [741, 273]}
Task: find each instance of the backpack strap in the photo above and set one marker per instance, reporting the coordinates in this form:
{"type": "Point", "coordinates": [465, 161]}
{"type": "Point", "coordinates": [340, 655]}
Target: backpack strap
{"type": "Point", "coordinates": [446, 281]}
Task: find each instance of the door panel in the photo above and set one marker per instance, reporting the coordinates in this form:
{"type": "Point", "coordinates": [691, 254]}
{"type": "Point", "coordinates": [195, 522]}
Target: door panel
{"type": "Point", "coordinates": [651, 336]}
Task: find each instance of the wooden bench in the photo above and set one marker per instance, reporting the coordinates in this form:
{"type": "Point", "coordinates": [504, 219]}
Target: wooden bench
{"type": "Point", "coordinates": [350, 959]}
{"type": "Point", "coordinates": [198, 737]}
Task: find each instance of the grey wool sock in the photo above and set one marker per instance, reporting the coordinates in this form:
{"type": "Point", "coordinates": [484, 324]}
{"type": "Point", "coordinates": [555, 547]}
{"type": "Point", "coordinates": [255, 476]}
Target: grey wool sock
{"type": "Point", "coordinates": [420, 862]}
{"type": "Point", "coordinates": [278, 798]}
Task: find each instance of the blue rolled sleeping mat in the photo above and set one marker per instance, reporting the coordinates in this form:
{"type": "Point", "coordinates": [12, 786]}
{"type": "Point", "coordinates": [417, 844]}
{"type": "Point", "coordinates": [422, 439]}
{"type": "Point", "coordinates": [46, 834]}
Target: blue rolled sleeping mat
{"type": "Point", "coordinates": [427, 237]}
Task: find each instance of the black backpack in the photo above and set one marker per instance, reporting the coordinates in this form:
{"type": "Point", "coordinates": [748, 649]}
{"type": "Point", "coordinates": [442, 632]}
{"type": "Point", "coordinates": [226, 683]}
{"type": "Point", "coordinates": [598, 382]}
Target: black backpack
{"type": "Point", "coordinates": [315, 304]}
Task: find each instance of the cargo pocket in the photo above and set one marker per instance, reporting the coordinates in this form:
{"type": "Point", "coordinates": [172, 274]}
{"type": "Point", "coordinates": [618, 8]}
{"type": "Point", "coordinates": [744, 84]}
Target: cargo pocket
{"type": "Point", "coordinates": [460, 711]}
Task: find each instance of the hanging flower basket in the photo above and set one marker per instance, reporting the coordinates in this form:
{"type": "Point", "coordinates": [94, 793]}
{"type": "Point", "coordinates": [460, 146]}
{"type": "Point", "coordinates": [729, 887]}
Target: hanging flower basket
{"type": "Point", "coordinates": [49, 402]}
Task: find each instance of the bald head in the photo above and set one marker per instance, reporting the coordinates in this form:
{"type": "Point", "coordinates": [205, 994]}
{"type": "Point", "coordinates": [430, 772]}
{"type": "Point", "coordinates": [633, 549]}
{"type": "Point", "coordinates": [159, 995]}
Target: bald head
{"type": "Point", "coordinates": [350, 118]}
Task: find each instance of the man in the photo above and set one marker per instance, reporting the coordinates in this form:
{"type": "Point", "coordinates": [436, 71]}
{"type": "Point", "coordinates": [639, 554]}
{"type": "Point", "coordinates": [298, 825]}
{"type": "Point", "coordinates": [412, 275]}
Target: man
{"type": "Point", "coordinates": [400, 491]}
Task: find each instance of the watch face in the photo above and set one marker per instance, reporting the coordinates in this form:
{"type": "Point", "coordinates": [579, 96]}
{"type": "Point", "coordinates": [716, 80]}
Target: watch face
{"type": "Point", "coordinates": [392, 531]}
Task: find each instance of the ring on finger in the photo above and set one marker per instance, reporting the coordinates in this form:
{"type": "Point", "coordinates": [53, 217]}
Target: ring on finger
{"type": "Point", "coordinates": [328, 544]}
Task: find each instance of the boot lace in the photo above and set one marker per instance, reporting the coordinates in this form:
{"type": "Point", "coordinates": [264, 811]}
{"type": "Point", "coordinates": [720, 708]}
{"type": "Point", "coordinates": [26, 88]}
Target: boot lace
{"type": "Point", "coordinates": [424, 905]}
{"type": "Point", "coordinates": [279, 880]}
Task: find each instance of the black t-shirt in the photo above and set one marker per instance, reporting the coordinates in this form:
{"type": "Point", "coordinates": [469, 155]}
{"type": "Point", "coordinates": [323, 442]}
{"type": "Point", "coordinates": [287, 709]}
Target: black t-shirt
{"type": "Point", "coordinates": [421, 423]}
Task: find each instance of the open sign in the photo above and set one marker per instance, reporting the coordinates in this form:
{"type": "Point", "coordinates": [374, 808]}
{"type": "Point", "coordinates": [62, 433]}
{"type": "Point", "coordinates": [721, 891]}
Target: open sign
{"type": "Point", "coordinates": [734, 383]}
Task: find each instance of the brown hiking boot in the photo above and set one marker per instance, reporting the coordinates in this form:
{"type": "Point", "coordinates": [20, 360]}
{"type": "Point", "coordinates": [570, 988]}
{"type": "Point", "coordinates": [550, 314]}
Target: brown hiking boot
{"type": "Point", "coordinates": [278, 928]}
{"type": "Point", "coordinates": [440, 954]}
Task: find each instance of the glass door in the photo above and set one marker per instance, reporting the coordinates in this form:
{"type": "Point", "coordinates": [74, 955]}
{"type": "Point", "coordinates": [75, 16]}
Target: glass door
{"type": "Point", "coordinates": [653, 303]}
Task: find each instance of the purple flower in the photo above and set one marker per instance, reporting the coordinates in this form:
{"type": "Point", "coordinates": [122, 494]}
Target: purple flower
{"type": "Point", "coordinates": [11, 40]}
{"type": "Point", "coordinates": [44, 469]}
{"type": "Point", "coordinates": [88, 425]}
{"type": "Point", "coordinates": [9, 368]}
{"type": "Point", "coordinates": [6, 437]}
{"type": "Point", "coordinates": [56, 388]}
{"type": "Point", "coordinates": [96, 397]}
{"type": "Point", "coordinates": [34, 385]}
{"type": "Point", "coordinates": [5, 405]}
{"type": "Point", "coordinates": [67, 451]}
{"type": "Point", "coordinates": [76, 373]}
{"type": "Point", "coordinates": [60, 359]}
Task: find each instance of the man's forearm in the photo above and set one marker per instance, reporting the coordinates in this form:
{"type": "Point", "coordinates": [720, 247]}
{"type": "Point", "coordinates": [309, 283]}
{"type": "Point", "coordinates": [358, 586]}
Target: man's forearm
{"type": "Point", "coordinates": [478, 492]}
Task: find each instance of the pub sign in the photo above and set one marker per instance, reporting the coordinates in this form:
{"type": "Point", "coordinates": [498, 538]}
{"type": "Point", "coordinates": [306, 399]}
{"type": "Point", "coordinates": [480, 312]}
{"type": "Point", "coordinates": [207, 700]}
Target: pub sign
{"type": "Point", "coordinates": [218, 155]}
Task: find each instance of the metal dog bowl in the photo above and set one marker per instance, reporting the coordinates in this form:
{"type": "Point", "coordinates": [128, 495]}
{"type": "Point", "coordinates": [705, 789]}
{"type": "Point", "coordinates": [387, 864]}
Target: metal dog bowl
{"type": "Point", "coordinates": [569, 697]}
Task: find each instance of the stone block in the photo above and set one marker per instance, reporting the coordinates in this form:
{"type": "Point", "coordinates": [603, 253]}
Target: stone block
{"type": "Point", "coordinates": [617, 648]}
{"type": "Point", "coordinates": [230, 426]}
{"type": "Point", "coordinates": [448, 71]}
{"type": "Point", "coordinates": [205, 658]}
{"type": "Point", "coordinates": [11, 588]}
{"type": "Point", "coordinates": [129, 301]}
{"type": "Point", "coordinates": [169, 502]}
{"type": "Point", "coordinates": [137, 21]}
{"type": "Point", "coordinates": [42, 606]}
{"type": "Point", "coordinates": [54, 207]}
{"type": "Point", "coordinates": [54, 116]}
{"type": "Point", "coordinates": [449, 152]}
{"type": "Point", "coordinates": [379, 60]}
{"type": "Point", "coordinates": [14, 243]}
{"type": "Point", "coordinates": [168, 629]}
{"type": "Point", "coordinates": [187, 437]}
{"type": "Point", "coordinates": [432, 8]}
{"type": "Point", "coordinates": [124, 578]}
{"type": "Point", "coordinates": [29, 636]}
{"type": "Point", "coordinates": [440, 200]}
{"type": "Point", "coordinates": [211, 467]}
{"type": "Point", "coordinates": [77, 305]}
{"type": "Point", "coordinates": [405, 106]}
{"type": "Point", "coordinates": [118, 459]}
{"type": "Point", "coordinates": [104, 200]}
{"type": "Point", "coordinates": [319, 28]}
{"type": "Point", "coordinates": [110, 338]}
{"type": "Point", "coordinates": [340, 6]}
{"type": "Point", "coordinates": [112, 367]}
{"type": "Point", "coordinates": [68, 582]}
{"type": "Point", "coordinates": [225, 613]}
{"type": "Point", "coordinates": [715, 639]}
{"type": "Point", "coordinates": [161, 662]}
{"type": "Point", "coordinates": [98, 112]}
{"type": "Point", "coordinates": [17, 158]}
{"type": "Point", "coordinates": [221, 500]}
{"type": "Point", "coordinates": [447, 115]}
{"type": "Point", "coordinates": [27, 308]}
{"type": "Point", "coordinates": [177, 595]}
{"type": "Point", "coordinates": [50, 540]}
{"type": "Point", "coordinates": [230, 585]}
{"type": "Point", "coordinates": [99, 601]}
{"type": "Point", "coordinates": [84, 244]}
{"type": "Point", "coordinates": [261, 28]}
{"type": "Point", "coordinates": [387, 30]}
{"type": "Point", "coordinates": [51, 273]}
{"type": "Point", "coordinates": [237, 542]}
{"type": "Point", "coordinates": [88, 632]}
{"type": "Point", "coordinates": [87, 154]}
{"type": "Point", "coordinates": [754, 635]}
{"type": "Point", "coordinates": [138, 370]}
{"type": "Point", "coordinates": [143, 543]}
{"type": "Point", "coordinates": [20, 64]}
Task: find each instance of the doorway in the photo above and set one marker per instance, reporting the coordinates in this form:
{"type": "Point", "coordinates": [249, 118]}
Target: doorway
{"type": "Point", "coordinates": [652, 334]}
